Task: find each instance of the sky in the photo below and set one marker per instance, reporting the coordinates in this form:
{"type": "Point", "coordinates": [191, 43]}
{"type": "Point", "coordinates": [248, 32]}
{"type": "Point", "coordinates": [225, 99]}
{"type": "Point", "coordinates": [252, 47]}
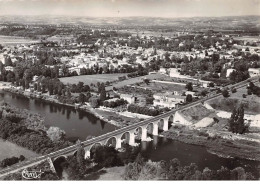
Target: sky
{"type": "Point", "coordinates": [126, 8]}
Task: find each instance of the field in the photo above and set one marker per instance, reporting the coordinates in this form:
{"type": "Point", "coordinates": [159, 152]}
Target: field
{"type": "Point", "coordinates": [88, 79]}
{"type": "Point", "coordinates": [248, 38]}
{"type": "Point", "coordinates": [160, 87]}
{"type": "Point", "coordinates": [58, 38]}
{"type": "Point", "coordinates": [9, 149]}
{"type": "Point", "coordinates": [251, 102]}
{"type": "Point", "coordinates": [14, 40]}
{"type": "Point", "coordinates": [135, 80]}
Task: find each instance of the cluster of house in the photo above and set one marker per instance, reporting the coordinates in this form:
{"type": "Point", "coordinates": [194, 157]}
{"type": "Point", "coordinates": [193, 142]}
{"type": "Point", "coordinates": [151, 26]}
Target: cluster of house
{"type": "Point", "coordinates": [171, 100]}
{"type": "Point", "coordinates": [166, 99]}
{"type": "Point", "coordinates": [141, 55]}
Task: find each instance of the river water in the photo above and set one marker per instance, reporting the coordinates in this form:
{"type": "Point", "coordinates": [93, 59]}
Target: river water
{"type": "Point", "coordinates": [80, 124]}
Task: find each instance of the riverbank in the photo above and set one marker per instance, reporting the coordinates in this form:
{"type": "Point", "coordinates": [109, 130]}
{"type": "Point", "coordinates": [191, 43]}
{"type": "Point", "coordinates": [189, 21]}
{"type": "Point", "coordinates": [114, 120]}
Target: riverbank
{"type": "Point", "coordinates": [96, 112]}
{"type": "Point", "coordinates": [222, 143]}
{"type": "Point", "coordinates": [9, 149]}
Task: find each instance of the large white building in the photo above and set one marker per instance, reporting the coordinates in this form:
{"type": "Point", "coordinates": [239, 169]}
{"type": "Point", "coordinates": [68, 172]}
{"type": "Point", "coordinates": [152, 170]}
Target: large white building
{"type": "Point", "coordinates": [128, 97]}
{"type": "Point", "coordinates": [168, 100]}
{"type": "Point", "coordinates": [229, 71]}
{"type": "Point", "coordinates": [254, 72]}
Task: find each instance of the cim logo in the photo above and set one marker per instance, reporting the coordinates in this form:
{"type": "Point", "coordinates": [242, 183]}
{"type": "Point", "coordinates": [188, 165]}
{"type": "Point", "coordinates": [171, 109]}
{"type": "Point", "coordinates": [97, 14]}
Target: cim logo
{"type": "Point", "coordinates": [31, 174]}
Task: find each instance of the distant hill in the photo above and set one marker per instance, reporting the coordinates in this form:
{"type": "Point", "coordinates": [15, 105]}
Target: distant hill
{"type": "Point", "coordinates": [233, 21]}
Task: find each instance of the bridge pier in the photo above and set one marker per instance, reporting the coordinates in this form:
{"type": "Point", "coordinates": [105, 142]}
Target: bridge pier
{"type": "Point", "coordinates": [131, 138]}
{"type": "Point", "coordinates": [144, 134]}
{"type": "Point", "coordinates": [118, 143]}
{"type": "Point", "coordinates": [165, 124]}
{"type": "Point", "coordinates": [87, 154]}
{"type": "Point", "coordinates": [155, 128]}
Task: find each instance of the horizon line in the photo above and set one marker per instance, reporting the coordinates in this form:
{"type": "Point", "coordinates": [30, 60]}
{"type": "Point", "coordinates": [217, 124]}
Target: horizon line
{"type": "Point", "coordinates": [249, 15]}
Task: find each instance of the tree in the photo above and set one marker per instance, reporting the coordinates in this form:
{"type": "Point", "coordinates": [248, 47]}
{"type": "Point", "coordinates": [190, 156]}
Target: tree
{"type": "Point", "coordinates": [106, 156]}
{"type": "Point", "coordinates": [50, 88]}
{"type": "Point", "coordinates": [81, 157]}
{"type": "Point", "coordinates": [146, 81]}
{"type": "Point", "coordinates": [189, 98]}
{"type": "Point", "coordinates": [233, 90]}
{"type": "Point", "coordinates": [21, 158]}
{"type": "Point", "coordinates": [8, 61]}
{"type": "Point", "coordinates": [211, 84]}
{"type": "Point", "coordinates": [132, 170]}
{"type": "Point", "coordinates": [236, 122]}
{"type": "Point", "coordinates": [82, 98]}
{"type": "Point", "coordinates": [55, 134]}
{"type": "Point", "coordinates": [225, 93]}
{"type": "Point", "coordinates": [215, 57]}
{"type": "Point", "coordinates": [102, 92]}
{"type": "Point", "coordinates": [153, 171]}
{"type": "Point", "coordinates": [94, 102]}
{"type": "Point", "coordinates": [35, 86]}
{"type": "Point", "coordinates": [189, 86]}
{"type": "Point", "coordinates": [80, 87]}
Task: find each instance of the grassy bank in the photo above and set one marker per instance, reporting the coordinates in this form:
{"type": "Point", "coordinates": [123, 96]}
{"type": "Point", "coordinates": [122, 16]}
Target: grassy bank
{"type": "Point", "coordinates": [221, 143]}
{"type": "Point", "coordinates": [9, 149]}
{"type": "Point", "coordinates": [113, 173]}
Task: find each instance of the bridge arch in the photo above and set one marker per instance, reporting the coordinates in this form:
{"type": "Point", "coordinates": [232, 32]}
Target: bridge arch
{"type": "Point", "coordinates": [125, 137]}
{"type": "Point", "coordinates": [75, 153]}
{"type": "Point", "coordinates": [150, 128]}
{"type": "Point", "coordinates": [89, 153]}
{"type": "Point", "coordinates": [57, 163]}
{"type": "Point", "coordinates": [114, 142]}
{"type": "Point", "coordinates": [161, 124]}
{"type": "Point", "coordinates": [60, 157]}
{"type": "Point", "coordinates": [111, 141]}
{"type": "Point", "coordinates": [141, 132]}
{"type": "Point", "coordinates": [94, 146]}
{"type": "Point", "coordinates": [170, 120]}
{"type": "Point", "coordinates": [128, 138]}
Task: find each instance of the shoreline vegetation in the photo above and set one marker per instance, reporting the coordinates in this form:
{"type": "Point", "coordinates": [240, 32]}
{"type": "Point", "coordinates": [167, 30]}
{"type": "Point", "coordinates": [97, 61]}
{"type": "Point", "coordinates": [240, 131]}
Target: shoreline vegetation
{"type": "Point", "coordinates": [27, 130]}
{"type": "Point", "coordinates": [228, 149]}
{"type": "Point", "coordinates": [55, 101]}
{"type": "Point", "coordinates": [9, 149]}
{"type": "Point", "coordinates": [225, 148]}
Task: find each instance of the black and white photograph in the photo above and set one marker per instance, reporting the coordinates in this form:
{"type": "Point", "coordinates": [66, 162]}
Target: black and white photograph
{"type": "Point", "coordinates": [129, 90]}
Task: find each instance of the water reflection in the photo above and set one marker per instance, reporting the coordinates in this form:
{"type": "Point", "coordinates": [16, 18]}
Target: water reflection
{"type": "Point", "coordinates": [76, 124]}
{"type": "Point", "coordinates": [68, 113]}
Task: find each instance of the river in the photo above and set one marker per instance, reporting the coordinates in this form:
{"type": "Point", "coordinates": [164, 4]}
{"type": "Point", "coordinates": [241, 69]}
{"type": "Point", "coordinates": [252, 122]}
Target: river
{"type": "Point", "coordinates": [80, 124]}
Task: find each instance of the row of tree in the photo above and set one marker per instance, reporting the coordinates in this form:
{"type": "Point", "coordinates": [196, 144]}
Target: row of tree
{"type": "Point", "coordinates": [11, 161]}
{"type": "Point", "coordinates": [142, 110]}
{"type": "Point", "coordinates": [173, 170]}
{"type": "Point", "coordinates": [113, 104]}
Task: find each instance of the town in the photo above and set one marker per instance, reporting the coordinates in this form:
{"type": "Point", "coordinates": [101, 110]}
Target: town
{"type": "Point", "coordinates": [209, 78]}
